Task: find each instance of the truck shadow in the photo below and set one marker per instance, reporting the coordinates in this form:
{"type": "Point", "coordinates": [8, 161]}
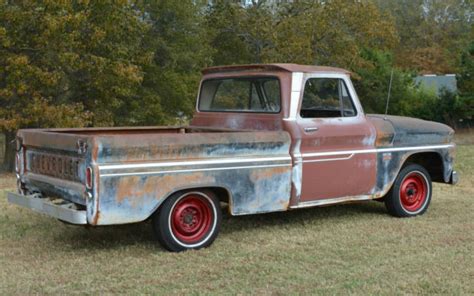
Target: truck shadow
{"type": "Point", "coordinates": [141, 234]}
{"type": "Point", "coordinates": [315, 215]}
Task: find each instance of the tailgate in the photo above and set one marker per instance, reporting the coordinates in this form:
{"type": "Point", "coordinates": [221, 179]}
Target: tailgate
{"type": "Point", "coordinates": [53, 164]}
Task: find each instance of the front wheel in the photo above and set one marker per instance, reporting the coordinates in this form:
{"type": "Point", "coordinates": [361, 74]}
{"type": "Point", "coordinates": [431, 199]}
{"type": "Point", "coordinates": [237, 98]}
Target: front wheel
{"type": "Point", "coordinates": [188, 220]}
{"type": "Point", "coordinates": [411, 192]}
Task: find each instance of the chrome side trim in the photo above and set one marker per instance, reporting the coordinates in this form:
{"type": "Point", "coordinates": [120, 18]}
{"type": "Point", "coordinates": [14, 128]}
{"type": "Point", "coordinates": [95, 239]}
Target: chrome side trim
{"type": "Point", "coordinates": [195, 170]}
{"type": "Point", "coordinates": [191, 163]}
{"type": "Point", "coordinates": [327, 159]}
{"type": "Point", "coordinates": [330, 201]}
{"type": "Point", "coordinates": [375, 150]}
{"type": "Point", "coordinates": [395, 149]}
{"type": "Point", "coordinates": [268, 159]}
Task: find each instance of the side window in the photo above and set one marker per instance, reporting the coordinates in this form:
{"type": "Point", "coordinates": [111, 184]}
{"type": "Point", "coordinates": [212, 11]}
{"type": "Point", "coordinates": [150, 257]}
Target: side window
{"type": "Point", "coordinates": [348, 108]}
{"type": "Point", "coordinates": [326, 98]}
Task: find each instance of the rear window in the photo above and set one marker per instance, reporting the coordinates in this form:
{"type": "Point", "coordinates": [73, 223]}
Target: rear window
{"type": "Point", "coordinates": [256, 94]}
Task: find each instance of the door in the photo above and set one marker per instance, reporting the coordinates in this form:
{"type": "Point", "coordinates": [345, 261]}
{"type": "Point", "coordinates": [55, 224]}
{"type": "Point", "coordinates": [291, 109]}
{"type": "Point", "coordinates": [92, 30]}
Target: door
{"type": "Point", "coordinates": [337, 142]}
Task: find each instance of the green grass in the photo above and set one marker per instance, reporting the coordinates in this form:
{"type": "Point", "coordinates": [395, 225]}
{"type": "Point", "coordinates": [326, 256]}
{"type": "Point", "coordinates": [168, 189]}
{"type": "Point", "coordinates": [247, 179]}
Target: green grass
{"type": "Point", "coordinates": [354, 248]}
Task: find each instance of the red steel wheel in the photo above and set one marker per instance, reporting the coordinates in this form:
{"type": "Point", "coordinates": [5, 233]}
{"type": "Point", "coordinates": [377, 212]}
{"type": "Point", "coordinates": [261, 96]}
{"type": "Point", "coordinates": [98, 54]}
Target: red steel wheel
{"type": "Point", "coordinates": [191, 218]}
{"type": "Point", "coordinates": [188, 220]}
{"type": "Point", "coordinates": [411, 192]}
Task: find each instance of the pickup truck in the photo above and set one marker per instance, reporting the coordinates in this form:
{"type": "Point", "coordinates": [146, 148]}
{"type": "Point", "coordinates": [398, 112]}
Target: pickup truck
{"type": "Point", "coordinates": [264, 138]}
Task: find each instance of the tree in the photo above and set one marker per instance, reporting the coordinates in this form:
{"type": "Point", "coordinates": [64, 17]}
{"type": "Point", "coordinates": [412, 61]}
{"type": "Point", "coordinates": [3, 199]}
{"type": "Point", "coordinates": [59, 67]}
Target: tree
{"type": "Point", "coordinates": [330, 33]}
{"type": "Point", "coordinates": [306, 32]}
{"type": "Point", "coordinates": [466, 86]}
{"type": "Point", "coordinates": [67, 63]}
{"type": "Point", "coordinates": [466, 73]}
{"type": "Point", "coordinates": [433, 33]}
{"type": "Point", "coordinates": [180, 47]}
{"type": "Point", "coordinates": [239, 35]}
{"type": "Point", "coordinates": [406, 98]}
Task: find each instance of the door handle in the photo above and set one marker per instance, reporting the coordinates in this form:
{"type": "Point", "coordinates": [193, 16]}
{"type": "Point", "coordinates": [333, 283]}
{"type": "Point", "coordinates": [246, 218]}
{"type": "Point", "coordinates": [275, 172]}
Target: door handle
{"type": "Point", "coordinates": [311, 129]}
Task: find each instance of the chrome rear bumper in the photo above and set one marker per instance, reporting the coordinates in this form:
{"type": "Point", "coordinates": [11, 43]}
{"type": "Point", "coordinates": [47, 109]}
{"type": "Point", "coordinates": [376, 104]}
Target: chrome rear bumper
{"type": "Point", "coordinates": [63, 210]}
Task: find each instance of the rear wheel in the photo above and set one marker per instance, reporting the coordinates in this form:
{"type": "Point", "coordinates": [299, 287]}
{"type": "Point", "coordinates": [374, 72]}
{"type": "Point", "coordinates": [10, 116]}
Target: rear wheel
{"type": "Point", "coordinates": [188, 220]}
{"type": "Point", "coordinates": [411, 192]}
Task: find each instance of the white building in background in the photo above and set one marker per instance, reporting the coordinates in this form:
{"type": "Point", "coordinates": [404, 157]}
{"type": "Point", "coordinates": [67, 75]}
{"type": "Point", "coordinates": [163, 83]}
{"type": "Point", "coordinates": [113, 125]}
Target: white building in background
{"type": "Point", "coordinates": [438, 83]}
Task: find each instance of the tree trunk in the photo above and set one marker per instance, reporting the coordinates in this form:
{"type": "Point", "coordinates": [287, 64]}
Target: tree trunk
{"type": "Point", "coordinates": [10, 147]}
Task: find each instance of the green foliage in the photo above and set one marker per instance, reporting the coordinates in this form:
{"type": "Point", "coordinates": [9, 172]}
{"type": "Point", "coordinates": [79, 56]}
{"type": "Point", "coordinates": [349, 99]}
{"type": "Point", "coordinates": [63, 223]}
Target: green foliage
{"type": "Point", "coordinates": [239, 35]}
{"type": "Point", "coordinates": [432, 33]}
{"type": "Point", "coordinates": [329, 33]}
{"type": "Point", "coordinates": [59, 58]}
{"type": "Point", "coordinates": [466, 75]}
{"type": "Point", "coordinates": [466, 87]}
{"type": "Point", "coordinates": [454, 109]}
{"type": "Point", "coordinates": [83, 63]}
{"type": "Point", "coordinates": [451, 109]}
{"type": "Point", "coordinates": [180, 50]}
{"type": "Point", "coordinates": [405, 97]}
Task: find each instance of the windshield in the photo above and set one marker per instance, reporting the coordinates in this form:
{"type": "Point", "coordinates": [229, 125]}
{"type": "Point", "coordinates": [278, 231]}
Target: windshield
{"type": "Point", "coordinates": [253, 94]}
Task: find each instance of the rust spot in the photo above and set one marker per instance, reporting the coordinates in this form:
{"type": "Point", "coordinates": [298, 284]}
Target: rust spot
{"type": "Point", "coordinates": [127, 187]}
{"type": "Point", "coordinates": [262, 174]}
{"type": "Point", "coordinates": [284, 203]}
{"type": "Point", "coordinates": [131, 188]}
{"type": "Point", "coordinates": [385, 132]}
{"type": "Point", "coordinates": [95, 221]}
{"type": "Point", "coordinates": [95, 151]}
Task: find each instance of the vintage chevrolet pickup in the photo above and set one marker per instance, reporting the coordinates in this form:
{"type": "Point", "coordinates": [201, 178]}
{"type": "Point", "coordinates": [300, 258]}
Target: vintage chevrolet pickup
{"type": "Point", "coordinates": [264, 138]}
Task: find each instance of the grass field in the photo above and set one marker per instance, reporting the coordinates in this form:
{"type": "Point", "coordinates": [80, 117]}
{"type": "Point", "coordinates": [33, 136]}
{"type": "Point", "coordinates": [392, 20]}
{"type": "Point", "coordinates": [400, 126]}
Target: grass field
{"type": "Point", "coordinates": [354, 248]}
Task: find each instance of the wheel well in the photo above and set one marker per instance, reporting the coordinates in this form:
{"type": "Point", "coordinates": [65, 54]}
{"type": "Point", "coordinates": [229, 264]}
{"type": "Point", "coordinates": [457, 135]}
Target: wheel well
{"type": "Point", "coordinates": [431, 161]}
{"type": "Point", "coordinates": [221, 193]}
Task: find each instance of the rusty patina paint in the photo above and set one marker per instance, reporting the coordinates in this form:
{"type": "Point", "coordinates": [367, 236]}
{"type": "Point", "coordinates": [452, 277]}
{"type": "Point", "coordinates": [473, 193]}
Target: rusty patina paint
{"type": "Point", "coordinates": [396, 131]}
{"type": "Point", "coordinates": [132, 193]}
{"type": "Point", "coordinates": [406, 131]}
{"type": "Point", "coordinates": [385, 131]}
{"type": "Point", "coordinates": [272, 68]}
{"type": "Point", "coordinates": [133, 198]}
{"type": "Point", "coordinates": [133, 189]}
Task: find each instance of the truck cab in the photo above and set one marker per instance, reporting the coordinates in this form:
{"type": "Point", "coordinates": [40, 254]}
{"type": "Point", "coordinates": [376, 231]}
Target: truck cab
{"type": "Point", "coordinates": [333, 142]}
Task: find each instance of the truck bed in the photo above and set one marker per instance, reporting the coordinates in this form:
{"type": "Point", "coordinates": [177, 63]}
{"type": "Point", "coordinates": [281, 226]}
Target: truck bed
{"type": "Point", "coordinates": [135, 169]}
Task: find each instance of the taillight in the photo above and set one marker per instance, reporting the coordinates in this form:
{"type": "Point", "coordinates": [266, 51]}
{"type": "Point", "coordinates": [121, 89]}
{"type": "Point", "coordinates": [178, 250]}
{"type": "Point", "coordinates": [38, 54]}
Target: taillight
{"type": "Point", "coordinates": [89, 178]}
